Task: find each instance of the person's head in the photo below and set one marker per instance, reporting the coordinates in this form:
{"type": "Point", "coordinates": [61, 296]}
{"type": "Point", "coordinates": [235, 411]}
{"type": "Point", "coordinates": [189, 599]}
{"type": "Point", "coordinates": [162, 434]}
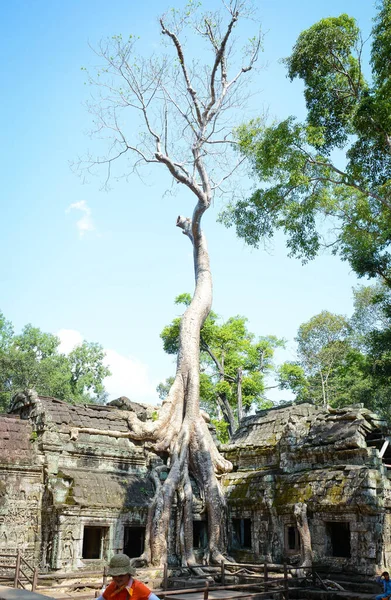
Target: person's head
{"type": "Point", "coordinates": [120, 569]}
{"type": "Point", "coordinates": [386, 575]}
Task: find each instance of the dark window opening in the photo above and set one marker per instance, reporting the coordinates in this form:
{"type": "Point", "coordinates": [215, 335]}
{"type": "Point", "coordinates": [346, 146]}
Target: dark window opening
{"type": "Point", "coordinates": [94, 542]}
{"type": "Point", "coordinates": [241, 530]}
{"type": "Point", "coordinates": [338, 539]}
{"type": "Point", "coordinates": [292, 538]}
{"type": "Point", "coordinates": [134, 541]}
{"type": "Point", "coordinates": [200, 534]}
{"type": "Point", "coordinates": [375, 438]}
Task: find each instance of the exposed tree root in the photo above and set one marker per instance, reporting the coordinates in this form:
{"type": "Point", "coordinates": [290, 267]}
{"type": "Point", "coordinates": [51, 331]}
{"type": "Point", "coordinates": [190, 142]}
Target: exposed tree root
{"type": "Point", "coordinates": [300, 512]}
{"type": "Point", "coordinates": [276, 540]}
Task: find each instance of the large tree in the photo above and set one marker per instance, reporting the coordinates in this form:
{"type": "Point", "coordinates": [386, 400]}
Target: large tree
{"type": "Point", "coordinates": [31, 359]}
{"type": "Point", "coordinates": [322, 346]}
{"type": "Point", "coordinates": [319, 197]}
{"type": "Point", "coordinates": [331, 369]}
{"type": "Point", "coordinates": [234, 365]}
{"type": "Point", "coordinates": [185, 109]}
{"type": "Point", "coordinates": [371, 324]}
{"type": "Point", "coordinates": [343, 361]}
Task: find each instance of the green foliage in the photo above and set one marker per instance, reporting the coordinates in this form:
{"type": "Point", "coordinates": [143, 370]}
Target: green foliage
{"type": "Point", "coordinates": [321, 340]}
{"type": "Point", "coordinates": [183, 299]}
{"type": "Point", "coordinates": [223, 388]}
{"type": "Point", "coordinates": [292, 377]}
{"type": "Point", "coordinates": [31, 360]}
{"type": "Point", "coordinates": [379, 343]}
{"type": "Point", "coordinates": [88, 371]}
{"type": "Point", "coordinates": [370, 313]}
{"type": "Point", "coordinates": [371, 324]}
{"type": "Point", "coordinates": [324, 59]}
{"type": "Point", "coordinates": [228, 349]}
{"type": "Point", "coordinates": [6, 333]}
{"type": "Point", "coordinates": [170, 337]}
{"type": "Point", "coordinates": [164, 387]}
{"type": "Point", "coordinates": [346, 361]}
{"type": "Point", "coordinates": [322, 346]}
{"type": "Point", "coordinates": [300, 183]}
{"type": "Point", "coordinates": [222, 431]}
{"type": "Point", "coordinates": [381, 48]}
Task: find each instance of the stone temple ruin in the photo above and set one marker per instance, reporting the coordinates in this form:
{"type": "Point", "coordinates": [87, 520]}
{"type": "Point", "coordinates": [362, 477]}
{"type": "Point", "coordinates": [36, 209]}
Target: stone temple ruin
{"type": "Point", "coordinates": [70, 501]}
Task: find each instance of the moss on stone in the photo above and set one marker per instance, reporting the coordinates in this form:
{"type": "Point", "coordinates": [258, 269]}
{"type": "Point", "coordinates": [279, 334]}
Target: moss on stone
{"type": "Point", "coordinates": [334, 494]}
{"type": "Point", "coordinates": [286, 493]}
{"type": "Point", "coordinates": [239, 488]}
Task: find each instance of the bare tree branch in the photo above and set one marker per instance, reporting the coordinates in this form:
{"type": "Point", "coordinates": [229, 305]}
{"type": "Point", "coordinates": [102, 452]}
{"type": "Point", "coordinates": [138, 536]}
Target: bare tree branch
{"type": "Point", "coordinates": [181, 58]}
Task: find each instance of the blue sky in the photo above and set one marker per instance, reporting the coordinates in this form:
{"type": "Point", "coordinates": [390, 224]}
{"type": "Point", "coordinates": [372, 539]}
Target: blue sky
{"type": "Point", "coordinates": [106, 266]}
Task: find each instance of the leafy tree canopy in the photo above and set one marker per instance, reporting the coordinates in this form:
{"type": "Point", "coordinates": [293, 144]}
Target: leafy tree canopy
{"type": "Point", "coordinates": [303, 181]}
{"type": "Point", "coordinates": [322, 346]}
{"type": "Point", "coordinates": [343, 361]}
{"type": "Point", "coordinates": [234, 365]}
{"type": "Point", "coordinates": [370, 313]}
{"type": "Point", "coordinates": [32, 360]}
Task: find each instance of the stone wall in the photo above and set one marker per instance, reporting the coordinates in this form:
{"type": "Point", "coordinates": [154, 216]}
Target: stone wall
{"type": "Point", "coordinates": [21, 489]}
{"type": "Point", "coordinates": [74, 488]}
{"type": "Point", "coordinates": [95, 485]}
{"type": "Point", "coordinates": [328, 460]}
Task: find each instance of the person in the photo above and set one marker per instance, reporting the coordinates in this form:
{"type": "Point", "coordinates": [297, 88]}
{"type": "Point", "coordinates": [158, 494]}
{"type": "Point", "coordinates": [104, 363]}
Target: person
{"type": "Point", "coordinates": [124, 586]}
{"type": "Point", "coordinates": [384, 579]}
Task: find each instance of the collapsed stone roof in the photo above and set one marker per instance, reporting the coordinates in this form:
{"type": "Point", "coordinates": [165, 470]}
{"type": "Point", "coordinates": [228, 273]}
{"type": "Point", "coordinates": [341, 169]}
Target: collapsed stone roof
{"type": "Point", "coordinates": [86, 464]}
{"type": "Point", "coordinates": [97, 417]}
{"type": "Point", "coordinates": [307, 424]}
{"type": "Point", "coordinates": [332, 459]}
{"type": "Point", "coordinates": [112, 417]}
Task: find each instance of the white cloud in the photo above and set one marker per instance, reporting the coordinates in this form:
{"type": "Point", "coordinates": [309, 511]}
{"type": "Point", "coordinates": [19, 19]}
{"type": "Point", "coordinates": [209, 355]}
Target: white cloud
{"type": "Point", "coordinates": [129, 376]}
{"type": "Point", "coordinates": [85, 223]}
{"type": "Point", "coordinates": [69, 339]}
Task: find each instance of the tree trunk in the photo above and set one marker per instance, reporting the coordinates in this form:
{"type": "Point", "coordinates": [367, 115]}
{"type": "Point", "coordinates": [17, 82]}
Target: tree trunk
{"type": "Point", "coordinates": [239, 394]}
{"type": "Point", "coordinates": [300, 512]}
{"type": "Point", "coordinates": [227, 411]}
{"type": "Point", "coordinates": [222, 398]}
{"type": "Point", "coordinates": [182, 432]}
{"type": "Point", "coordinates": [275, 537]}
{"type": "Point", "coordinates": [323, 390]}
